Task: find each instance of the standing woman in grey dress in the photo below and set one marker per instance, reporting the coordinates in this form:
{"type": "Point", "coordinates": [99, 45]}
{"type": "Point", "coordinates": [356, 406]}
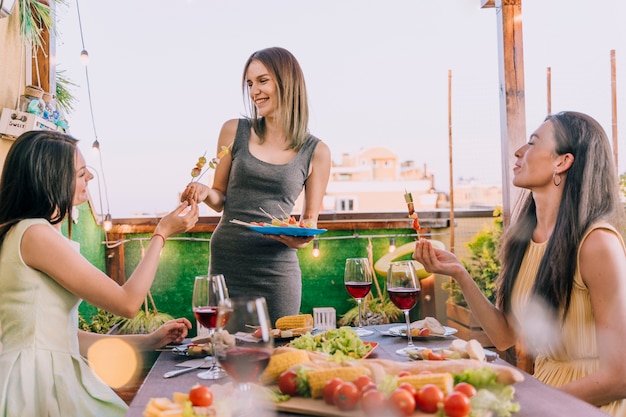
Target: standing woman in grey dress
{"type": "Point", "coordinates": [272, 158]}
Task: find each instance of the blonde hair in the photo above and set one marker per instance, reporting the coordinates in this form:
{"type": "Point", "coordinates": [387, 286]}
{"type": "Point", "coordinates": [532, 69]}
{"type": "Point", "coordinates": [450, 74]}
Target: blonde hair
{"type": "Point", "coordinates": [292, 98]}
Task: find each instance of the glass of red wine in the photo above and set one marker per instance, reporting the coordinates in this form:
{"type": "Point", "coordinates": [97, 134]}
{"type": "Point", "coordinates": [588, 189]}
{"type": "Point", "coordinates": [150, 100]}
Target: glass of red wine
{"type": "Point", "coordinates": [208, 291]}
{"type": "Point", "coordinates": [357, 278]}
{"type": "Point", "coordinates": [403, 288]}
{"type": "Point", "coordinates": [248, 320]}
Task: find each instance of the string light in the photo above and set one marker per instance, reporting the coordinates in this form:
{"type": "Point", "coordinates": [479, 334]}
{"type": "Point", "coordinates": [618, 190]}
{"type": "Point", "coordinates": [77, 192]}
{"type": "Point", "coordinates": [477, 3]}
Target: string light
{"type": "Point", "coordinates": [84, 59]}
{"type": "Point", "coordinates": [316, 248]}
{"type": "Point", "coordinates": [107, 224]}
{"type": "Point", "coordinates": [392, 244]}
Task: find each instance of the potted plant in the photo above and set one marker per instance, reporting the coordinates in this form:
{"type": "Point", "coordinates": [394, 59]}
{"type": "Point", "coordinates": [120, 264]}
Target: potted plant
{"type": "Point", "coordinates": [484, 267]}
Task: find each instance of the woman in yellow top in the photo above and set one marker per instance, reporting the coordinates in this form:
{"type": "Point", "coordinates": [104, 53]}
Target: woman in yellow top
{"type": "Point", "coordinates": [562, 287]}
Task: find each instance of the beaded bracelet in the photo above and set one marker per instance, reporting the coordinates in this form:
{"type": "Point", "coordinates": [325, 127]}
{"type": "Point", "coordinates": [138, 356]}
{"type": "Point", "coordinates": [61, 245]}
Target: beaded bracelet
{"type": "Point", "coordinates": [159, 235]}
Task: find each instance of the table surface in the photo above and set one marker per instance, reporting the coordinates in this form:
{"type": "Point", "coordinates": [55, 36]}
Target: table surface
{"type": "Point", "coordinates": [535, 398]}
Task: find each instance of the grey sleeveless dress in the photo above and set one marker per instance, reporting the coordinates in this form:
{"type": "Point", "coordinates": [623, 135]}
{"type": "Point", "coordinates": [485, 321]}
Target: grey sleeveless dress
{"type": "Point", "coordinates": [253, 264]}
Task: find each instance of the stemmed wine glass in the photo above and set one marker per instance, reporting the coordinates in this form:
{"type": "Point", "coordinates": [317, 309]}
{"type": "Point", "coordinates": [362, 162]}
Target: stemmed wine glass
{"type": "Point", "coordinates": [245, 360]}
{"type": "Point", "coordinates": [208, 291]}
{"type": "Point", "coordinates": [403, 288]}
{"type": "Point", "coordinates": [357, 278]}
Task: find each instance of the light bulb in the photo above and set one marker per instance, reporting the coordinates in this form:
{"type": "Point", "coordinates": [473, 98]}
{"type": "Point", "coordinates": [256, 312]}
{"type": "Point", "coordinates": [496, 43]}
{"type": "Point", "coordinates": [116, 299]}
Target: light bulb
{"type": "Point", "coordinates": [84, 57]}
{"type": "Point", "coordinates": [392, 244]}
{"type": "Point", "coordinates": [95, 145]}
{"type": "Point", "coordinates": [107, 224]}
{"type": "Point", "coordinates": [316, 249]}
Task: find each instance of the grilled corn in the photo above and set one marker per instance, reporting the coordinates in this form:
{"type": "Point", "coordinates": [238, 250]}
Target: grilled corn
{"type": "Point", "coordinates": [294, 322]}
{"type": "Point", "coordinates": [317, 379]}
{"type": "Point", "coordinates": [443, 380]}
{"type": "Point", "coordinates": [280, 363]}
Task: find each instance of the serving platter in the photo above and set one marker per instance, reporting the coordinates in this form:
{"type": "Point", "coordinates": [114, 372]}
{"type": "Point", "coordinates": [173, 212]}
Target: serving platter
{"type": "Point", "coordinates": [281, 230]}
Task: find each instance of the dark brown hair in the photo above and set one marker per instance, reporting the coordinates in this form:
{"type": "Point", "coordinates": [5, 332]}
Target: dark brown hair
{"type": "Point", "coordinates": [38, 179]}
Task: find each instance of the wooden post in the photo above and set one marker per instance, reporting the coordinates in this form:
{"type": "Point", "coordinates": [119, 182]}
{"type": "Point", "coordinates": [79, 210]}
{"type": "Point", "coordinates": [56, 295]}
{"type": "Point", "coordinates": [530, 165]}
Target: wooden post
{"type": "Point", "coordinates": [44, 74]}
{"type": "Point", "coordinates": [512, 94]}
{"type": "Point", "coordinates": [450, 161]}
{"type": "Point", "coordinates": [549, 88]}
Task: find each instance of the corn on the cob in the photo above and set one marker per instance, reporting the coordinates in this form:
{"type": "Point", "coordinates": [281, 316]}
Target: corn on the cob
{"type": "Point", "coordinates": [280, 363]}
{"type": "Point", "coordinates": [443, 380]}
{"type": "Point", "coordinates": [294, 322]}
{"type": "Point", "coordinates": [317, 379]}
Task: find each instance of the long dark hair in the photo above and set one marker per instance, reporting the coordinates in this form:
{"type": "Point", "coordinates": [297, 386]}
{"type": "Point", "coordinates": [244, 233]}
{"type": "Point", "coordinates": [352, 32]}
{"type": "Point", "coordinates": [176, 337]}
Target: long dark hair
{"type": "Point", "coordinates": [590, 194]}
{"type": "Point", "coordinates": [292, 97]}
{"type": "Point", "coordinates": [38, 179]}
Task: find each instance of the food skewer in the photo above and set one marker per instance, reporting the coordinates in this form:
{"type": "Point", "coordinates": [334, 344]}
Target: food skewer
{"type": "Point", "coordinates": [408, 198]}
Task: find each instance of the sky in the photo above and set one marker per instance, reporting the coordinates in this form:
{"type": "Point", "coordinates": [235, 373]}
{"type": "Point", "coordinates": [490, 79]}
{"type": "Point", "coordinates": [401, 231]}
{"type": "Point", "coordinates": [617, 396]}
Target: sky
{"type": "Point", "coordinates": [164, 76]}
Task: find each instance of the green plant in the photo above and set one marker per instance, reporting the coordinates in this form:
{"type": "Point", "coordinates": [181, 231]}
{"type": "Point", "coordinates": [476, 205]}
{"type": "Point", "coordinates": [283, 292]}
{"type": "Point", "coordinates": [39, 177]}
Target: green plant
{"type": "Point", "coordinates": [483, 264]}
{"type": "Point", "coordinates": [101, 322]}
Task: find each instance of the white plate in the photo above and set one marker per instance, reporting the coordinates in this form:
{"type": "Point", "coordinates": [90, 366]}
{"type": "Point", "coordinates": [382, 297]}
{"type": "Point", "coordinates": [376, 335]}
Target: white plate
{"type": "Point", "coordinates": [401, 331]}
{"type": "Point", "coordinates": [490, 355]}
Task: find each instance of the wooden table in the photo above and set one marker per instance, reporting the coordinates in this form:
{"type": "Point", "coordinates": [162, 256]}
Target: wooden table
{"type": "Point", "coordinates": [536, 399]}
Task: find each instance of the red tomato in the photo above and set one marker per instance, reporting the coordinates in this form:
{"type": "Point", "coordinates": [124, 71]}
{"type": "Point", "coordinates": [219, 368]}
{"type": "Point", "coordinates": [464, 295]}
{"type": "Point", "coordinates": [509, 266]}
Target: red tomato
{"type": "Point", "coordinates": [466, 388]}
{"type": "Point", "coordinates": [403, 373]}
{"type": "Point", "coordinates": [402, 401]}
{"type": "Point", "coordinates": [432, 356]}
{"type": "Point", "coordinates": [416, 224]}
{"type": "Point", "coordinates": [200, 396]}
{"type": "Point", "coordinates": [362, 381]}
{"type": "Point", "coordinates": [346, 396]}
{"type": "Point", "coordinates": [373, 402]}
{"type": "Point", "coordinates": [368, 387]}
{"type": "Point", "coordinates": [410, 388]}
{"type": "Point", "coordinates": [329, 390]}
{"type": "Point", "coordinates": [428, 398]}
{"type": "Point", "coordinates": [287, 383]}
{"type": "Point", "coordinates": [457, 405]}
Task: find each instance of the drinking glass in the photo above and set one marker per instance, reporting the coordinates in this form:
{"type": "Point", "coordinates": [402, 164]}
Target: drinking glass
{"type": "Point", "coordinates": [208, 291]}
{"type": "Point", "coordinates": [403, 288]}
{"type": "Point", "coordinates": [357, 278]}
{"type": "Point", "coordinates": [248, 357]}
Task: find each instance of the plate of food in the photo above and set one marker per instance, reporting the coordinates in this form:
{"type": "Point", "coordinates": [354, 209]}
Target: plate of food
{"type": "Point", "coordinates": [458, 349]}
{"type": "Point", "coordinates": [299, 230]}
{"type": "Point", "coordinates": [401, 331]}
{"type": "Point", "coordinates": [196, 350]}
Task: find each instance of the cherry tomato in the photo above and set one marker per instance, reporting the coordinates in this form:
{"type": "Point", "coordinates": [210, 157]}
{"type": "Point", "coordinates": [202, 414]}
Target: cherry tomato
{"type": "Point", "coordinates": [410, 388]}
{"type": "Point", "coordinates": [362, 381]}
{"type": "Point", "coordinates": [328, 391]}
{"type": "Point", "coordinates": [200, 396]}
{"type": "Point", "coordinates": [403, 373]}
{"type": "Point", "coordinates": [368, 387]}
{"type": "Point", "coordinates": [428, 398]}
{"type": "Point", "coordinates": [402, 401]}
{"type": "Point", "coordinates": [432, 356]}
{"type": "Point", "coordinates": [287, 383]}
{"type": "Point", "coordinates": [466, 388]}
{"type": "Point", "coordinates": [346, 396]}
{"type": "Point", "coordinates": [457, 405]}
{"type": "Point", "coordinates": [373, 403]}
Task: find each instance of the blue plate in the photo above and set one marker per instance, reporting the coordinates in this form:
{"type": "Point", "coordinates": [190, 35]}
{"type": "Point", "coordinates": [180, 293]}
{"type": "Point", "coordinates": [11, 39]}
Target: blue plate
{"type": "Point", "coordinates": [287, 231]}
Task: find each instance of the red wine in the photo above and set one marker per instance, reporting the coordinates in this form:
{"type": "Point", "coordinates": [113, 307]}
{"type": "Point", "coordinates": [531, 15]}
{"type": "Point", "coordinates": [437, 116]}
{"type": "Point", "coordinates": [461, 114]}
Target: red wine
{"type": "Point", "coordinates": [207, 316]}
{"type": "Point", "coordinates": [244, 364]}
{"type": "Point", "coordinates": [358, 289]}
{"type": "Point", "coordinates": [403, 298]}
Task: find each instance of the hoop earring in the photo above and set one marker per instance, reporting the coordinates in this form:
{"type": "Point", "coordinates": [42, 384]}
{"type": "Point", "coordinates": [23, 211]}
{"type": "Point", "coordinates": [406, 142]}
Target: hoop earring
{"type": "Point", "coordinates": [554, 177]}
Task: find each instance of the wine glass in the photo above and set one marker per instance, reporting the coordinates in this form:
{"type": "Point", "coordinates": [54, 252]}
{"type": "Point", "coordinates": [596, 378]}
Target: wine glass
{"type": "Point", "coordinates": [245, 360]}
{"type": "Point", "coordinates": [208, 291]}
{"type": "Point", "coordinates": [357, 278]}
{"type": "Point", "coordinates": [403, 288]}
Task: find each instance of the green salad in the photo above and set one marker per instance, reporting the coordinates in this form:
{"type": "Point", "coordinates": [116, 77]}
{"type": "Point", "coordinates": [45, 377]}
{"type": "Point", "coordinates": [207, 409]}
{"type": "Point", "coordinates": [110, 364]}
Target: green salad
{"type": "Point", "coordinates": [341, 343]}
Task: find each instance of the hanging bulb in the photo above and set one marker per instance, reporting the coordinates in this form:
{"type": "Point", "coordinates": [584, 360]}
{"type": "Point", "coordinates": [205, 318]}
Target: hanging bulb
{"type": "Point", "coordinates": [107, 224]}
{"type": "Point", "coordinates": [316, 248]}
{"type": "Point", "coordinates": [84, 57]}
{"type": "Point", "coordinates": [95, 145]}
{"type": "Point", "coordinates": [392, 244]}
